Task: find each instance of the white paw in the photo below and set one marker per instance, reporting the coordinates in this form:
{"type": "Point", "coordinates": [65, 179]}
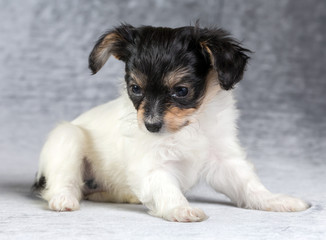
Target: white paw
{"type": "Point", "coordinates": [185, 214]}
{"type": "Point", "coordinates": [64, 202]}
{"type": "Point", "coordinates": [282, 203]}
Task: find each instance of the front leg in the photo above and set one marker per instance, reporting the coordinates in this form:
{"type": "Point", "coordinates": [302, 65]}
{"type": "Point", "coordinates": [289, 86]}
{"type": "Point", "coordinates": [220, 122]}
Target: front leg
{"type": "Point", "coordinates": [237, 179]}
{"type": "Point", "coordinates": [160, 193]}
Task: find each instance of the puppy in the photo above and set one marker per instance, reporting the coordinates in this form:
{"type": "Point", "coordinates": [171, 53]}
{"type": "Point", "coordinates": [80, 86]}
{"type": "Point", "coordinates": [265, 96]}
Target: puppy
{"type": "Point", "coordinates": [173, 125]}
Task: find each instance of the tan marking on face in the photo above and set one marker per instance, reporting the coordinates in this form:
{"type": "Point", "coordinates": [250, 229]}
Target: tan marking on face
{"type": "Point", "coordinates": [212, 88]}
{"type": "Point", "coordinates": [140, 113]}
{"type": "Point", "coordinates": [173, 78]}
{"type": "Point", "coordinates": [176, 118]}
{"type": "Point", "coordinates": [139, 78]}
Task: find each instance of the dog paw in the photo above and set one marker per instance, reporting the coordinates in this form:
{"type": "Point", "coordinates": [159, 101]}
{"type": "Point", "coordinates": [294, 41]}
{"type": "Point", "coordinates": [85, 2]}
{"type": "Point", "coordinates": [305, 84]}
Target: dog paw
{"type": "Point", "coordinates": [283, 203]}
{"type": "Point", "coordinates": [185, 214]}
{"type": "Point", "coordinates": [64, 202]}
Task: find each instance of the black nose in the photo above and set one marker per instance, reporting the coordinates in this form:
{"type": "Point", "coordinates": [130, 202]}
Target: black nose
{"type": "Point", "coordinates": [153, 127]}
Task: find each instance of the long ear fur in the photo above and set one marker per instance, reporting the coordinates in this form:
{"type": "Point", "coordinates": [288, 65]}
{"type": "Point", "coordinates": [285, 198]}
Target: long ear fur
{"type": "Point", "coordinates": [116, 42]}
{"type": "Point", "coordinates": [226, 55]}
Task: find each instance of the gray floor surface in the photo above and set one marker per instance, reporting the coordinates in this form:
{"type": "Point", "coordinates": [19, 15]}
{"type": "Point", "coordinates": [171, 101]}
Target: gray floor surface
{"type": "Point", "coordinates": [44, 79]}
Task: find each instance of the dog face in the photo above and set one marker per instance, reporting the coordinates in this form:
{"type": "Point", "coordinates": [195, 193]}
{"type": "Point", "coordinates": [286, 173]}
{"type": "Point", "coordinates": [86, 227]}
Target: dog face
{"type": "Point", "coordinates": [169, 72]}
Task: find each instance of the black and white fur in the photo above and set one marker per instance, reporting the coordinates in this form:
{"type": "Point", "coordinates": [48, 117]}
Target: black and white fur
{"type": "Point", "coordinates": [173, 125]}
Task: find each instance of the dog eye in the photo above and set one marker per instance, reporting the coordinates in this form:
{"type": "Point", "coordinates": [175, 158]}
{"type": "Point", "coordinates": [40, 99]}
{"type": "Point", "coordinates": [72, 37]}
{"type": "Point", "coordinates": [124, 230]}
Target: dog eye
{"type": "Point", "coordinates": [180, 92]}
{"type": "Point", "coordinates": [136, 89]}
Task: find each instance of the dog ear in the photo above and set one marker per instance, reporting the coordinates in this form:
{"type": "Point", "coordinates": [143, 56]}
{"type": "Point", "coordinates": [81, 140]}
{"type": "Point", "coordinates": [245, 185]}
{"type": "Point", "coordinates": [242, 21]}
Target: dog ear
{"type": "Point", "coordinates": [116, 42]}
{"type": "Point", "coordinates": [226, 56]}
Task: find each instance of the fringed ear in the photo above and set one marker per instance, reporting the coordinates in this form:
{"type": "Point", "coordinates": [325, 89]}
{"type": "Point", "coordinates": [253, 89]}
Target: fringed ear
{"type": "Point", "coordinates": [226, 55]}
{"type": "Point", "coordinates": [117, 42]}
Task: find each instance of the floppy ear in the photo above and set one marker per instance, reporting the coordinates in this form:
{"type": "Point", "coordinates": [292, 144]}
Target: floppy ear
{"type": "Point", "coordinates": [226, 55]}
{"type": "Point", "coordinates": [116, 42]}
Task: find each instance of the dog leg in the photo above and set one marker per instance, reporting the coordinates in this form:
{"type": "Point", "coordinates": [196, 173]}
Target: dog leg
{"type": "Point", "coordinates": [161, 194]}
{"type": "Point", "coordinates": [61, 163]}
{"type": "Point", "coordinates": [236, 178]}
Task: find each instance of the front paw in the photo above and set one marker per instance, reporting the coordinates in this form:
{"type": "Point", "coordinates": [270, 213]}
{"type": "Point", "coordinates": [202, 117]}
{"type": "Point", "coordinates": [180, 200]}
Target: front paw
{"type": "Point", "coordinates": [281, 203]}
{"type": "Point", "coordinates": [185, 214]}
{"type": "Point", "coordinates": [64, 202]}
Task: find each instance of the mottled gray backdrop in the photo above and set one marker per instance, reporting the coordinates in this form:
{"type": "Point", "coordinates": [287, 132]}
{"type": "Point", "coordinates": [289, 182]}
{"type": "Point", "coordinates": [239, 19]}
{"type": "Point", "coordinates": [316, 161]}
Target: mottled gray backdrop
{"type": "Point", "coordinates": [44, 46]}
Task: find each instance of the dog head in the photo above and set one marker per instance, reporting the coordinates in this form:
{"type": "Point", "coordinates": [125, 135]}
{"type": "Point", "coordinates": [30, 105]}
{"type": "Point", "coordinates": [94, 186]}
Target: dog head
{"type": "Point", "coordinates": [170, 71]}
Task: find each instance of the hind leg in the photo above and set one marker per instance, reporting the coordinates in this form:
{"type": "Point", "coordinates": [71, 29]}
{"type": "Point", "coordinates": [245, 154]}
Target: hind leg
{"type": "Point", "coordinates": [61, 163]}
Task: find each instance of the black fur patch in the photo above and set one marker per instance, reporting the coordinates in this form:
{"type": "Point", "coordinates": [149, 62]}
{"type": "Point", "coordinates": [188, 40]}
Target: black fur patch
{"type": "Point", "coordinates": [39, 185]}
{"type": "Point", "coordinates": [91, 184]}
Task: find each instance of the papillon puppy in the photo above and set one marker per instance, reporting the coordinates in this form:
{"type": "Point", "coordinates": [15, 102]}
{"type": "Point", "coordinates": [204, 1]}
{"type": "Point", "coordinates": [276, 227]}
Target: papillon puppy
{"type": "Point", "coordinates": [173, 125]}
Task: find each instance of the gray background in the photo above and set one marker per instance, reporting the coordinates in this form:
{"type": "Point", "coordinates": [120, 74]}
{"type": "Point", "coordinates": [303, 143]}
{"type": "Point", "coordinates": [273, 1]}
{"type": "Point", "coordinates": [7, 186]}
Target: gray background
{"type": "Point", "coordinates": [44, 46]}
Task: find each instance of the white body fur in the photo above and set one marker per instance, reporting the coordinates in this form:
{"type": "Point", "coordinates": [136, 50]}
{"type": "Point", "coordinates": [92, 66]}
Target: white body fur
{"type": "Point", "coordinates": [133, 164]}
